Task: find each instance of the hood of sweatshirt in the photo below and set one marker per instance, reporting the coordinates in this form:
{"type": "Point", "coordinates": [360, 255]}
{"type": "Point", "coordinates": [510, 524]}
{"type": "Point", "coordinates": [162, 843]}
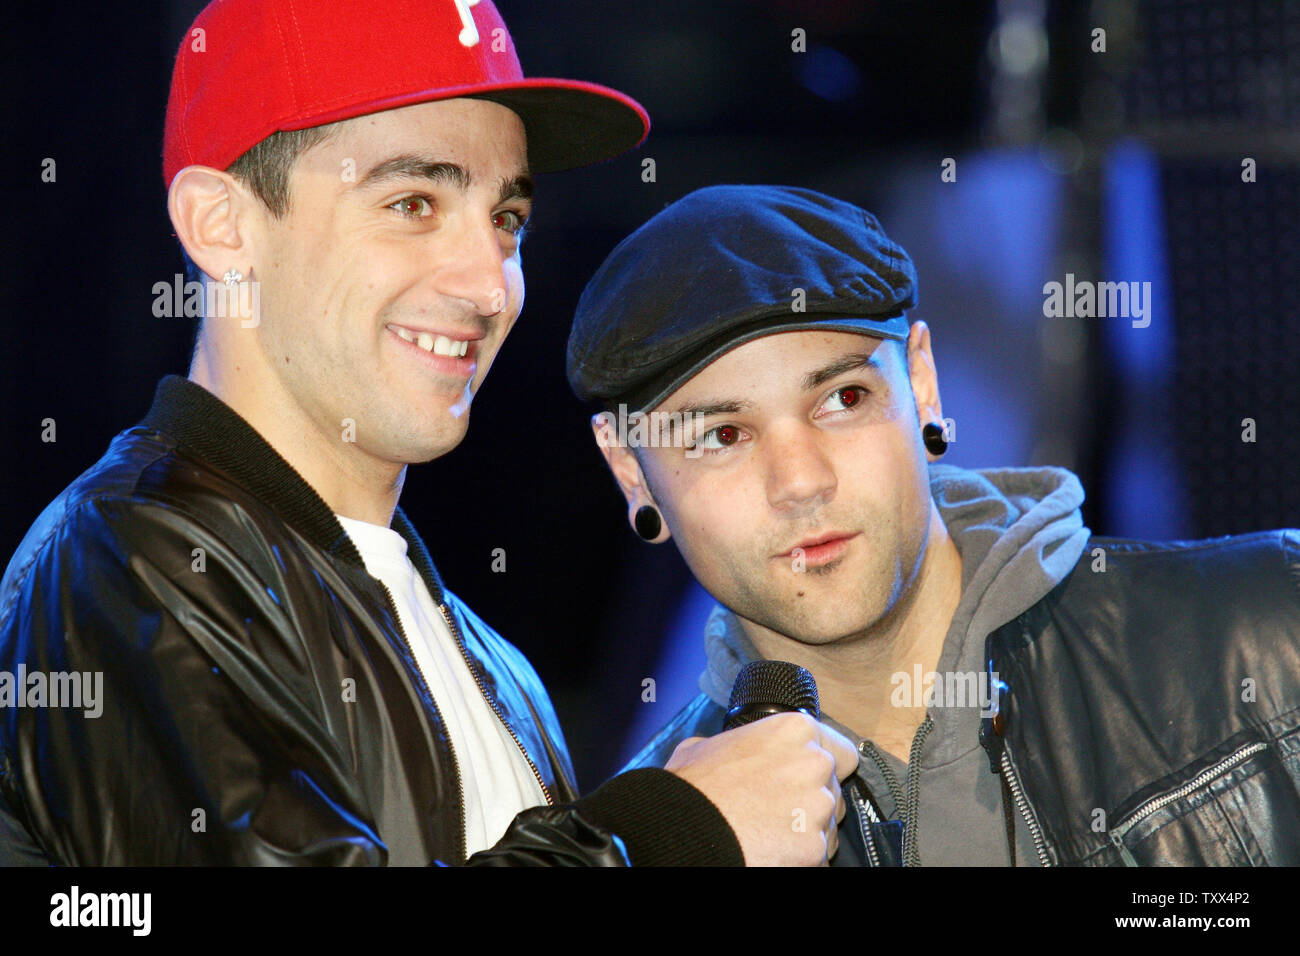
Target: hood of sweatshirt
{"type": "Point", "coordinates": [1019, 533]}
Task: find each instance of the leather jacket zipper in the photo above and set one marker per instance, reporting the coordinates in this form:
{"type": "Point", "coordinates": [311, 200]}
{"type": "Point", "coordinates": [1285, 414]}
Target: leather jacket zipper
{"type": "Point", "coordinates": [1155, 803]}
{"type": "Point", "coordinates": [461, 845]}
{"type": "Point", "coordinates": [864, 814]}
{"type": "Point", "coordinates": [546, 791]}
{"type": "Point", "coordinates": [991, 738]}
{"type": "Point", "coordinates": [863, 810]}
{"type": "Point", "coordinates": [1009, 772]}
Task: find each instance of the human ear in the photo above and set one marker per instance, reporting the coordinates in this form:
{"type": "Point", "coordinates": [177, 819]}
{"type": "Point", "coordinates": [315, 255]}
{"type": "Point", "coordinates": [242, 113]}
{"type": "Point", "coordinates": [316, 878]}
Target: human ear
{"type": "Point", "coordinates": [923, 376]}
{"type": "Point", "coordinates": [625, 468]}
{"type": "Point", "coordinates": [209, 210]}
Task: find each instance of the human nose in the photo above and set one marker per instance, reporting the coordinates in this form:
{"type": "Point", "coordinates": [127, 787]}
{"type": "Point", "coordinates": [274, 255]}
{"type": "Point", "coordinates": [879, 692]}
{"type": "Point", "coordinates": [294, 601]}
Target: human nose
{"type": "Point", "coordinates": [476, 271]}
{"type": "Point", "coordinates": [799, 473]}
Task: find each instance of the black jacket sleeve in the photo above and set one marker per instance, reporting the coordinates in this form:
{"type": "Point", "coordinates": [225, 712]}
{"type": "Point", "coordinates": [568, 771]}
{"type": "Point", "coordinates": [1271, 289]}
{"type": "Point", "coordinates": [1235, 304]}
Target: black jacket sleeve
{"type": "Point", "coordinates": [647, 817]}
{"type": "Point", "coordinates": [193, 750]}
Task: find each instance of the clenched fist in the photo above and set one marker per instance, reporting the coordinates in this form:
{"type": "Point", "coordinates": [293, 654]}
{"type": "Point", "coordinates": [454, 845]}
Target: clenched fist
{"type": "Point", "coordinates": [777, 781]}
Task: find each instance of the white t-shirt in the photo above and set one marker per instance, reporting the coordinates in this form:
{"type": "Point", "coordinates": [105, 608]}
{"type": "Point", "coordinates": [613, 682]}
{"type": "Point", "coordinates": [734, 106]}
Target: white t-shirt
{"type": "Point", "coordinates": [496, 777]}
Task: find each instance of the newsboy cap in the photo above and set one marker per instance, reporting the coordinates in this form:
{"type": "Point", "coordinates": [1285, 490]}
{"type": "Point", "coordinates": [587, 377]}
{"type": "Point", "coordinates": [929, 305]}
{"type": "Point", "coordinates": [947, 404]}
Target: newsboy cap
{"type": "Point", "coordinates": [725, 265]}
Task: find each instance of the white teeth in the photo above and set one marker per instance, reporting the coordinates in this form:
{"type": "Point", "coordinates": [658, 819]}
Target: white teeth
{"type": "Point", "coordinates": [437, 344]}
{"type": "Point", "coordinates": [451, 347]}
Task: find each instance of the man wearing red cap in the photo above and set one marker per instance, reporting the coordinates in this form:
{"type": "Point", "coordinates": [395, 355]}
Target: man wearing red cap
{"type": "Point", "coordinates": [273, 671]}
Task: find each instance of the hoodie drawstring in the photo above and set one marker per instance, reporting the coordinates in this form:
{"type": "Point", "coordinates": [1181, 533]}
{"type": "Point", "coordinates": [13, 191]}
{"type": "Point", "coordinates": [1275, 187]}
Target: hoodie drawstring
{"type": "Point", "coordinates": [909, 806]}
{"type": "Point", "coordinates": [912, 823]}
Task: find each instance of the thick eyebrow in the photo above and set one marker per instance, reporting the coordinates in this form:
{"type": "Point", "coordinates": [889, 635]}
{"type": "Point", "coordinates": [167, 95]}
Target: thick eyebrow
{"type": "Point", "coordinates": [849, 363]}
{"type": "Point", "coordinates": [520, 187]}
{"type": "Point", "coordinates": [705, 409]}
{"type": "Point", "coordinates": [441, 173]}
{"type": "Point", "coordinates": [672, 421]}
{"type": "Point", "coordinates": [409, 166]}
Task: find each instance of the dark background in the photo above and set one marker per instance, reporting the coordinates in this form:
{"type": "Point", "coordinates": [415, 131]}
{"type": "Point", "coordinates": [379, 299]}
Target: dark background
{"type": "Point", "coordinates": [1124, 165]}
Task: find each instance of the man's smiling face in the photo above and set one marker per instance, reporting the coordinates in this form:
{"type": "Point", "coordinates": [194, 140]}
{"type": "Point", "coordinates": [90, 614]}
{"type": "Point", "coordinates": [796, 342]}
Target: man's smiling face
{"type": "Point", "coordinates": [807, 511]}
{"type": "Point", "coordinates": [395, 276]}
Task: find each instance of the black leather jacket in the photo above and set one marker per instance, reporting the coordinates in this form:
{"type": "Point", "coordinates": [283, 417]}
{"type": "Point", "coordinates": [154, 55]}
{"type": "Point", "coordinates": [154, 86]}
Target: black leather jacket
{"type": "Point", "coordinates": [260, 703]}
{"type": "Point", "coordinates": [1163, 691]}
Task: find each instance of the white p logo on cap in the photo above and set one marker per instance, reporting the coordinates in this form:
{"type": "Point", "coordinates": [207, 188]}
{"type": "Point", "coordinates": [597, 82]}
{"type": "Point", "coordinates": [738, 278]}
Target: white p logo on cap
{"type": "Point", "coordinates": [468, 31]}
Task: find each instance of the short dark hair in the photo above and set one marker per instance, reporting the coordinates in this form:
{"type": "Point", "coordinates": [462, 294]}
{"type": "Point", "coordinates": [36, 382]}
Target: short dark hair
{"type": "Point", "coordinates": [265, 170]}
{"type": "Point", "coordinates": [266, 167]}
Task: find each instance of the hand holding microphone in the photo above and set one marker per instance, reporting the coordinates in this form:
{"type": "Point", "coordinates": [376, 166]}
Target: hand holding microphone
{"type": "Point", "coordinates": [775, 771]}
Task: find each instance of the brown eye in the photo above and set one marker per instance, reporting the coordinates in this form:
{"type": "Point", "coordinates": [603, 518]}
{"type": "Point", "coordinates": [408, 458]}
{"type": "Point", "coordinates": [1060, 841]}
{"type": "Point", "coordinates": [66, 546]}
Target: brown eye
{"type": "Point", "coordinates": [715, 440]}
{"type": "Point", "coordinates": [509, 220]}
{"type": "Point", "coordinates": [843, 399]}
{"type": "Point", "coordinates": [412, 207]}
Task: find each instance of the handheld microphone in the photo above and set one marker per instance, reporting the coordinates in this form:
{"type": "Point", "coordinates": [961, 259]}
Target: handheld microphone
{"type": "Point", "coordinates": [763, 688]}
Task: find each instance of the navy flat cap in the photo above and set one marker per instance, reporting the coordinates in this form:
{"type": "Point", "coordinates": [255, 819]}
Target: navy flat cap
{"type": "Point", "coordinates": [725, 265]}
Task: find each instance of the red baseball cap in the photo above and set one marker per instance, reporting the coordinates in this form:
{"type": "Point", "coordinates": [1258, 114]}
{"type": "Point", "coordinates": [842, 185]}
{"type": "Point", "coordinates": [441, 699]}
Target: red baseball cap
{"type": "Point", "coordinates": [250, 68]}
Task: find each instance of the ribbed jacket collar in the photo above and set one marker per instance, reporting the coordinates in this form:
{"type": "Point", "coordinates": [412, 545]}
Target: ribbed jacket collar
{"type": "Point", "coordinates": [209, 429]}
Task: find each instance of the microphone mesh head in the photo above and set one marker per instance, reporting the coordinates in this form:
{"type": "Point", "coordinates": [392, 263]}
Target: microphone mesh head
{"type": "Point", "coordinates": [776, 682]}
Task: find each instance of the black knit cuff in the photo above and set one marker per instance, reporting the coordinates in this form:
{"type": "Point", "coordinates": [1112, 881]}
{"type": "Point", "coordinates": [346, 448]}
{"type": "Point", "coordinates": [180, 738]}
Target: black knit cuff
{"type": "Point", "coordinates": [662, 820]}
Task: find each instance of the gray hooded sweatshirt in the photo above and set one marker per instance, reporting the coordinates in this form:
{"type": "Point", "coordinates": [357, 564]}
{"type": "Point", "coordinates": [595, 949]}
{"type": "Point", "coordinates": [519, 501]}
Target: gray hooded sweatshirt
{"type": "Point", "coordinates": [1020, 534]}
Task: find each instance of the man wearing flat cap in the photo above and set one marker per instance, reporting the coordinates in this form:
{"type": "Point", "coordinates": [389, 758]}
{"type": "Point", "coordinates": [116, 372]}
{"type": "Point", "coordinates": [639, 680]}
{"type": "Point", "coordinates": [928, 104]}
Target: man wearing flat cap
{"type": "Point", "coordinates": [279, 674]}
{"type": "Point", "coordinates": [1021, 691]}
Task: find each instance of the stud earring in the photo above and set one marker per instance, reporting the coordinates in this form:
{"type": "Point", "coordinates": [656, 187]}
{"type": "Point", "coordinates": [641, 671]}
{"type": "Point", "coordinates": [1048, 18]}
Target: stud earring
{"type": "Point", "coordinates": [232, 277]}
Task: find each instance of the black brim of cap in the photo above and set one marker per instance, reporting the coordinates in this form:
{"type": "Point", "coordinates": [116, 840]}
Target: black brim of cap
{"type": "Point", "coordinates": [570, 123]}
{"type": "Point", "coordinates": [652, 393]}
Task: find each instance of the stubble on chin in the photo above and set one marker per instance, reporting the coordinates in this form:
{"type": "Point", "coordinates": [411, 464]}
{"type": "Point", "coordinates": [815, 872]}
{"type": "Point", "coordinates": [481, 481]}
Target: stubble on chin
{"type": "Point", "coordinates": [803, 606]}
